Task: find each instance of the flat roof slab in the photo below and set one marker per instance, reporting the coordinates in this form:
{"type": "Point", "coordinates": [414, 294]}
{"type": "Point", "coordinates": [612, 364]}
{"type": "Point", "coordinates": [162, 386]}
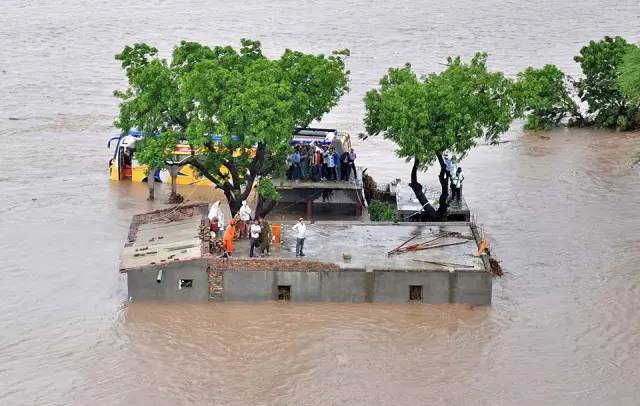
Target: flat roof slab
{"type": "Point", "coordinates": [368, 245]}
{"type": "Point", "coordinates": [158, 243]}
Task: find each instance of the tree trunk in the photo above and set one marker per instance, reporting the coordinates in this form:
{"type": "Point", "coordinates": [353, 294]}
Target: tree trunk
{"type": "Point", "coordinates": [428, 212]}
{"type": "Point", "coordinates": [174, 197]}
{"type": "Point", "coordinates": [444, 186]}
{"type": "Point", "coordinates": [264, 206]}
{"type": "Point", "coordinates": [151, 184]}
{"type": "Point", "coordinates": [234, 203]}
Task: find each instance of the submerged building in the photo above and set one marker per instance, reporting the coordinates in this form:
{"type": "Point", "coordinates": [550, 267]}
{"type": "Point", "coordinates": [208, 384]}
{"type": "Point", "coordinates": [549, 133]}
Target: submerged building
{"type": "Point", "coordinates": [167, 257]}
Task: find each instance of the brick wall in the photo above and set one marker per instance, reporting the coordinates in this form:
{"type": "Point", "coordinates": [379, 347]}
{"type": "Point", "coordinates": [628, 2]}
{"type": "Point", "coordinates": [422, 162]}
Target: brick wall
{"type": "Point", "coordinates": [217, 267]}
{"type": "Point", "coordinates": [216, 286]}
{"type": "Point", "coordinates": [270, 264]}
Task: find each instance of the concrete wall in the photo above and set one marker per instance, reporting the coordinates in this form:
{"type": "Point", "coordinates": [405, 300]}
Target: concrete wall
{"type": "Point", "coordinates": [359, 286]}
{"type": "Point", "coordinates": [143, 284]}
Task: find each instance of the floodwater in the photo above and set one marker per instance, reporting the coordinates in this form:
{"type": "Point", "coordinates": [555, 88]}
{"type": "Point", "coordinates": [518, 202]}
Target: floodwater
{"type": "Point", "coordinates": [562, 211]}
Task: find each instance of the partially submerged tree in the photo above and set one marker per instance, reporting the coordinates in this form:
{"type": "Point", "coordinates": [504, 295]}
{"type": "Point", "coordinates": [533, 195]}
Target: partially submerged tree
{"type": "Point", "coordinates": [253, 103]}
{"type": "Point", "coordinates": [600, 62]}
{"type": "Point", "coordinates": [447, 111]}
{"type": "Point", "coordinates": [628, 81]}
{"type": "Point", "coordinates": [545, 98]}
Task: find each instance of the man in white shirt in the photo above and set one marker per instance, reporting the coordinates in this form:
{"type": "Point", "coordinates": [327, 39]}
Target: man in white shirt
{"type": "Point", "coordinates": [245, 216]}
{"type": "Point", "coordinates": [456, 184]}
{"type": "Point", "coordinates": [255, 236]}
{"type": "Point", "coordinates": [301, 229]}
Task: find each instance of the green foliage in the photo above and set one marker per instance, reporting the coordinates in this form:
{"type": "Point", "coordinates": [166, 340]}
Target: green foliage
{"type": "Point", "coordinates": [447, 111]}
{"type": "Point", "coordinates": [317, 82]}
{"type": "Point", "coordinates": [545, 98]}
{"type": "Point", "coordinates": [267, 190]}
{"type": "Point", "coordinates": [628, 81]}
{"type": "Point", "coordinates": [600, 62]}
{"type": "Point", "coordinates": [250, 100]}
{"type": "Point", "coordinates": [381, 211]}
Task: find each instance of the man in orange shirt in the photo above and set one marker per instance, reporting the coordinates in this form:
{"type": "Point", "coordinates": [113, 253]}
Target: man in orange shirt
{"type": "Point", "coordinates": [227, 239]}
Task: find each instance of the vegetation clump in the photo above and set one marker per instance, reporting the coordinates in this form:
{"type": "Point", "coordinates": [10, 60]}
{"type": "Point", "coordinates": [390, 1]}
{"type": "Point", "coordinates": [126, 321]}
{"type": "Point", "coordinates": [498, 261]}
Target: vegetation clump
{"type": "Point", "coordinates": [381, 211]}
{"type": "Point", "coordinates": [609, 86]}
{"type": "Point", "coordinates": [546, 99]}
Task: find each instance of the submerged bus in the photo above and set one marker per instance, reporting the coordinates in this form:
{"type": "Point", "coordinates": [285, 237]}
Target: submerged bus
{"type": "Point", "coordinates": [124, 166]}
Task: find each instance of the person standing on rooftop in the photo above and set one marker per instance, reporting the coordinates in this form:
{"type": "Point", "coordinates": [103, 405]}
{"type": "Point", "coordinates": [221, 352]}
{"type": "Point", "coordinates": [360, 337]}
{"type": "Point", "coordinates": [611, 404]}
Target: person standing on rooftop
{"type": "Point", "coordinates": [352, 163]}
{"type": "Point", "coordinates": [304, 162]}
{"type": "Point", "coordinates": [344, 166]}
{"type": "Point", "coordinates": [295, 160]}
{"type": "Point", "coordinates": [453, 170]}
{"type": "Point", "coordinates": [457, 185]}
{"type": "Point", "coordinates": [301, 229]}
{"type": "Point", "coordinates": [331, 166]}
{"type": "Point", "coordinates": [448, 164]}
{"type": "Point", "coordinates": [255, 237]}
{"type": "Point", "coordinates": [336, 161]}
{"type": "Point", "coordinates": [227, 238]}
{"type": "Point", "coordinates": [265, 236]}
{"type": "Point", "coordinates": [245, 216]}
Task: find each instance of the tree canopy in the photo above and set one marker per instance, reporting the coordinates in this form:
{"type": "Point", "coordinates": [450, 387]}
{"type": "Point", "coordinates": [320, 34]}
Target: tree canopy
{"type": "Point", "coordinates": [545, 97]}
{"type": "Point", "coordinates": [446, 111]}
{"type": "Point", "coordinates": [608, 87]}
{"type": "Point", "coordinates": [252, 102]}
{"type": "Point", "coordinates": [600, 62]}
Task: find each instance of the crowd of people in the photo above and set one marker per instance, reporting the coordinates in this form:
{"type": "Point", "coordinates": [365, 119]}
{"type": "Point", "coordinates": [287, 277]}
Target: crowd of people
{"type": "Point", "coordinates": [258, 231]}
{"type": "Point", "coordinates": [454, 176]}
{"type": "Point", "coordinates": [317, 163]}
{"type": "Point", "coordinates": [241, 227]}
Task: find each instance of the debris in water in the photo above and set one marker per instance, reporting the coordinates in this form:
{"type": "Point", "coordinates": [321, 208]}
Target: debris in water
{"type": "Point", "coordinates": [424, 246]}
{"type": "Point", "coordinates": [496, 269]}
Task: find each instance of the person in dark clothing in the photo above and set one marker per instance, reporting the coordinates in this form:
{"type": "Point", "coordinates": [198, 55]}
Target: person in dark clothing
{"type": "Point", "coordinates": [318, 163]}
{"type": "Point", "coordinates": [295, 160]}
{"type": "Point", "coordinates": [265, 236]}
{"type": "Point", "coordinates": [304, 163]}
{"type": "Point", "coordinates": [336, 161]}
{"type": "Point", "coordinates": [344, 166]}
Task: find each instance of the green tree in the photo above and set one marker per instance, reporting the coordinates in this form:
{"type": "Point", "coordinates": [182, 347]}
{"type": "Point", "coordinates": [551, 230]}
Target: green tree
{"type": "Point", "coordinates": [628, 81]}
{"type": "Point", "coordinates": [252, 102]}
{"type": "Point", "coordinates": [545, 97]}
{"type": "Point", "coordinates": [600, 62]}
{"type": "Point", "coordinates": [447, 111]}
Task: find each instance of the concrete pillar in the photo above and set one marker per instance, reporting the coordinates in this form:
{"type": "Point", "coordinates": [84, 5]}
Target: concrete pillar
{"type": "Point", "coordinates": [309, 210]}
{"type": "Point", "coordinates": [358, 209]}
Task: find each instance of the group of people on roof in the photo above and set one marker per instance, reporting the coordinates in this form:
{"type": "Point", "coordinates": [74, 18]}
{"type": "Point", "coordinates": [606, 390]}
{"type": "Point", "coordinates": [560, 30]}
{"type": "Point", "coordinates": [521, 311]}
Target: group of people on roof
{"type": "Point", "coordinates": [242, 227]}
{"type": "Point", "coordinates": [454, 176]}
{"type": "Point", "coordinates": [257, 230]}
{"type": "Point", "coordinates": [317, 163]}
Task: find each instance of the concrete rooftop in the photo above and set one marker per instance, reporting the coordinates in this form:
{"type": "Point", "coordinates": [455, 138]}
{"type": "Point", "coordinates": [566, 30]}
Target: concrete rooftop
{"type": "Point", "coordinates": [164, 236]}
{"type": "Point", "coordinates": [369, 243]}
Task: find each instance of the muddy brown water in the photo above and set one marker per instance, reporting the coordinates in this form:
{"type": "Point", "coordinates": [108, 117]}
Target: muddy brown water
{"type": "Point", "coordinates": [563, 213]}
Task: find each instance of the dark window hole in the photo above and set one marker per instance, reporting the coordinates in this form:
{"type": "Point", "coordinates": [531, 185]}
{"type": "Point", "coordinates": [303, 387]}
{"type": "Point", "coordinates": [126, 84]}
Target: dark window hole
{"type": "Point", "coordinates": [284, 292]}
{"type": "Point", "coordinates": [415, 293]}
